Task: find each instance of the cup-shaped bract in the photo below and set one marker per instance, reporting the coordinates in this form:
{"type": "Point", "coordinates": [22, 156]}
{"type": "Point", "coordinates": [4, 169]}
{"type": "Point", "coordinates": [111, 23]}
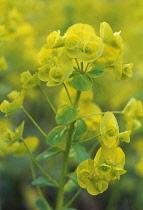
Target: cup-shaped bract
{"type": "Point", "coordinates": [89, 179]}
{"type": "Point", "coordinates": [56, 71]}
{"type": "Point", "coordinates": [126, 71]}
{"type": "Point", "coordinates": [17, 101]}
{"type": "Point", "coordinates": [82, 43]}
{"type": "Point", "coordinates": [55, 39]}
{"type": "Point", "coordinates": [29, 80]}
{"type": "Point", "coordinates": [132, 111]}
{"type": "Point", "coordinates": [109, 162]}
{"type": "Point", "coordinates": [109, 130]}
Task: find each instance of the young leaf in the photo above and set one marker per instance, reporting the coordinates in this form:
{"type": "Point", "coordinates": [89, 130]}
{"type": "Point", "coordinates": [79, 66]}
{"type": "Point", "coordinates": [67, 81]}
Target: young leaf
{"type": "Point", "coordinates": [41, 181]}
{"type": "Point", "coordinates": [81, 153]}
{"type": "Point", "coordinates": [66, 114]}
{"type": "Point", "coordinates": [51, 152]}
{"type": "Point", "coordinates": [81, 82]}
{"type": "Point", "coordinates": [96, 71]}
{"type": "Point", "coordinates": [57, 135]}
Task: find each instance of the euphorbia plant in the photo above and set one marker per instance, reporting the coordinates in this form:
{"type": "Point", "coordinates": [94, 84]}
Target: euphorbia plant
{"type": "Point", "coordinates": [74, 61]}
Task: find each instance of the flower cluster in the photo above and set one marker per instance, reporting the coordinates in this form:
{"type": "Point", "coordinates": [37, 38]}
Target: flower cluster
{"type": "Point", "coordinates": [109, 161]}
{"type": "Point", "coordinates": [61, 56]}
{"type": "Point", "coordinates": [132, 111]}
{"type": "Point", "coordinates": [12, 142]}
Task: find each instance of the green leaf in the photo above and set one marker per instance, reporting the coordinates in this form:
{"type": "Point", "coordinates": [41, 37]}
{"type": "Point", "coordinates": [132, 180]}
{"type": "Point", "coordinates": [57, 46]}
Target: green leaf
{"type": "Point", "coordinates": [66, 114]}
{"type": "Point", "coordinates": [69, 209]}
{"type": "Point", "coordinates": [57, 135]}
{"type": "Point", "coordinates": [96, 71]}
{"type": "Point", "coordinates": [80, 129]}
{"type": "Point", "coordinates": [81, 82]}
{"type": "Point", "coordinates": [41, 181]}
{"type": "Point", "coordinates": [40, 203]}
{"type": "Point", "coordinates": [81, 153]}
{"type": "Point", "coordinates": [51, 152]}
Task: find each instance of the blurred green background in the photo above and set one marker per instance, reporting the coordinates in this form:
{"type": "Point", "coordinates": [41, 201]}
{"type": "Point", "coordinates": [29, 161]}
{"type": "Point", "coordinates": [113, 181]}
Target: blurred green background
{"type": "Point", "coordinates": [24, 26]}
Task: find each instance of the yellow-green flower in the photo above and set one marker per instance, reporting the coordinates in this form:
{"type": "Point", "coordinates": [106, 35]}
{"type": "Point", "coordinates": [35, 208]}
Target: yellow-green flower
{"type": "Point", "coordinates": [56, 71]}
{"type": "Point", "coordinates": [82, 43]}
{"type": "Point", "coordinates": [89, 179]}
{"type": "Point", "coordinates": [29, 80]}
{"type": "Point", "coordinates": [109, 162]}
{"type": "Point", "coordinates": [55, 40]}
{"type": "Point", "coordinates": [109, 130]}
{"type": "Point", "coordinates": [132, 111]}
{"type": "Point", "coordinates": [46, 54]}
{"type": "Point", "coordinates": [112, 56]}
{"type": "Point", "coordinates": [17, 101]}
{"type": "Point", "coordinates": [11, 136]}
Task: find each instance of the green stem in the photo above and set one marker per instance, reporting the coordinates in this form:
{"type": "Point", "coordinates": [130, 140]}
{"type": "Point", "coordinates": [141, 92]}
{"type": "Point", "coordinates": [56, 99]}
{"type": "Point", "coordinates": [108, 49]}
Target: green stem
{"type": "Point", "coordinates": [77, 64]}
{"type": "Point", "coordinates": [38, 188]}
{"type": "Point", "coordinates": [90, 115]}
{"type": "Point", "coordinates": [34, 122]}
{"type": "Point", "coordinates": [60, 197]}
{"type": "Point", "coordinates": [48, 100]}
{"type": "Point", "coordinates": [73, 198]}
{"type": "Point", "coordinates": [85, 140]}
{"type": "Point", "coordinates": [86, 68]}
{"type": "Point", "coordinates": [82, 67]}
{"type": "Point", "coordinates": [41, 169]}
{"type": "Point", "coordinates": [67, 92]}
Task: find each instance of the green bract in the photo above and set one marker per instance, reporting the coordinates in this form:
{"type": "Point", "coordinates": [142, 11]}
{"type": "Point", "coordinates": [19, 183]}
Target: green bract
{"type": "Point", "coordinates": [66, 114]}
{"type": "Point", "coordinates": [81, 82]}
{"type": "Point", "coordinates": [56, 135]}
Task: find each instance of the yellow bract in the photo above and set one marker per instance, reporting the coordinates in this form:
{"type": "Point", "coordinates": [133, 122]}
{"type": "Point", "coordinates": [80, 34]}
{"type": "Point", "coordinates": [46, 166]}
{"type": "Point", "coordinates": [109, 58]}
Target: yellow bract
{"type": "Point", "coordinates": [55, 40]}
{"type": "Point", "coordinates": [132, 110]}
{"type": "Point", "coordinates": [56, 71]}
{"type": "Point", "coordinates": [10, 107]}
{"type": "Point", "coordinates": [82, 43]}
{"type": "Point", "coordinates": [109, 162]}
{"type": "Point", "coordinates": [29, 80]}
{"type": "Point", "coordinates": [109, 130]}
{"type": "Point", "coordinates": [89, 179]}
